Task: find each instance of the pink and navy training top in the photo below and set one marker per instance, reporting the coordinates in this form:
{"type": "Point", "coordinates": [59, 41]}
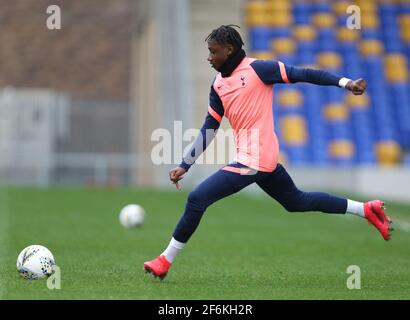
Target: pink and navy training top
{"type": "Point", "coordinates": [244, 97]}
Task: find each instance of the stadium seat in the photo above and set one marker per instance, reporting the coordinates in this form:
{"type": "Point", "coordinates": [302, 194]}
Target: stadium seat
{"type": "Point", "coordinates": [304, 33]}
{"type": "Point", "coordinates": [369, 21]}
{"type": "Point", "coordinates": [260, 37]}
{"type": "Point", "coordinates": [280, 33]}
{"type": "Point", "coordinates": [301, 12]}
{"type": "Point", "coordinates": [282, 19]}
{"type": "Point", "coordinates": [322, 6]}
{"type": "Point", "coordinates": [290, 99]}
{"type": "Point", "coordinates": [298, 156]}
{"type": "Point", "coordinates": [326, 40]}
{"type": "Point", "coordinates": [366, 34]}
{"type": "Point", "coordinates": [336, 112]}
{"type": "Point", "coordinates": [388, 7]}
{"type": "Point", "coordinates": [283, 46]}
{"type": "Point", "coordinates": [357, 102]}
{"type": "Point", "coordinates": [306, 53]}
{"type": "Point", "coordinates": [342, 151]}
{"type": "Point", "coordinates": [347, 35]}
{"type": "Point", "coordinates": [371, 47]}
{"type": "Point", "coordinates": [279, 5]}
{"type": "Point", "coordinates": [329, 60]}
{"type": "Point", "coordinates": [404, 23]}
{"type": "Point", "coordinates": [388, 152]}
{"type": "Point", "coordinates": [294, 130]}
{"type": "Point", "coordinates": [367, 6]}
{"type": "Point", "coordinates": [257, 14]}
{"type": "Point", "coordinates": [396, 68]}
{"type": "Point", "coordinates": [340, 7]}
{"type": "Point", "coordinates": [323, 20]}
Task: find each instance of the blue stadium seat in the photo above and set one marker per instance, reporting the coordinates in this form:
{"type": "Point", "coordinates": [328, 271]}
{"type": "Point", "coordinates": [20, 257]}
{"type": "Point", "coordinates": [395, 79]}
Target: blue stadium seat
{"type": "Point", "coordinates": [387, 8]}
{"type": "Point", "coordinates": [388, 20]}
{"type": "Point", "coordinates": [326, 40]}
{"type": "Point", "coordinates": [348, 49]}
{"type": "Point", "coordinates": [393, 45]}
{"type": "Point", "coordinates": [334, 94]}
{"type": "Point", "coordinates": [322, 6]}
{"type": "Point", "coordinates": [401, 102]}
{"type": "Point", "coordinates": [370, 34]}
{"type": "Point", "coordinates": [305, 57]}
{"type": "Point", "coordinates": [301, 18]}
{"type": "Point", "coordinates": [280, 33]}
{"type": "Point", "coordinates": [298, 156]}
{"type": "Point", "coordinates": [260, 38]}
{"type": "Point", "coordinates": [301, 12]}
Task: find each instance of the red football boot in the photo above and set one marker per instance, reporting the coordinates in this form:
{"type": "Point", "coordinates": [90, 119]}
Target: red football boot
{"type": "Point", "coordinates": [375, 215]}
{"type": "Point", "coordinates": [158, 267]}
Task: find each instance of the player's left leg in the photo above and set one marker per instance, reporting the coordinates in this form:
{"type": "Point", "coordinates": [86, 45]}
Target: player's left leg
{"type": "Point", "coordinates": [280, 186]}
{"type": "Point", "coordinates": [230, 179]}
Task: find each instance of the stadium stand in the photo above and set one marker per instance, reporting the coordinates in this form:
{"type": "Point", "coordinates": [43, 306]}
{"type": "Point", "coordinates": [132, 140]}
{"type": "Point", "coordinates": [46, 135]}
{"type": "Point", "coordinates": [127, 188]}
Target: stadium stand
{"type": "Point", "coordinates": [326, 125]}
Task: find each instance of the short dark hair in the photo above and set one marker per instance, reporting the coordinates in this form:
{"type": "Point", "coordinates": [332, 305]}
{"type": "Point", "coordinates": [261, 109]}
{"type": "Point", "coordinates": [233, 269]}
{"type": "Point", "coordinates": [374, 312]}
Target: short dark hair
{"type": "Point", "coordinates": [226, 34]}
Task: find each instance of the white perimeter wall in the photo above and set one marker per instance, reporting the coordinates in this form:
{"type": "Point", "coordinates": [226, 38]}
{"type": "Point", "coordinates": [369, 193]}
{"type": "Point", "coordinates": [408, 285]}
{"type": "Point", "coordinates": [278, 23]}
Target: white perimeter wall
{"type": "Point", "coordinates": [389, 183]}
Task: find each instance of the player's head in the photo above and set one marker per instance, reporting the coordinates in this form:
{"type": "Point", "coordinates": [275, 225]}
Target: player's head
{"type": "Point", "coordinates": [223, 42]}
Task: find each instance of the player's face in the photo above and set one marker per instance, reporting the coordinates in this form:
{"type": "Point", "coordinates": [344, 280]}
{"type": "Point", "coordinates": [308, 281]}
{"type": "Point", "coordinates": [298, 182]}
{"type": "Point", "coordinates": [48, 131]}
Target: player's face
{"type": "Point", "coordinates": [218, 54]}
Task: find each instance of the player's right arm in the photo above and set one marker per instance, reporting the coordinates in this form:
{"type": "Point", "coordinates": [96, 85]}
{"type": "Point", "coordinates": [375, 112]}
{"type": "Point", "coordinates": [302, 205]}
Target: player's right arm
{"type": "Point", "coordinates": [204, 138]}
{"type": "Point", "coordinates": [271, 72]}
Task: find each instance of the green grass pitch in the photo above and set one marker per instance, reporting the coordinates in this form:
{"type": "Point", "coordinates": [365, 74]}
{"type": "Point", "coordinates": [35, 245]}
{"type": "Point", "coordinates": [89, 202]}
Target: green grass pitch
{"type": "Point", "coordinates": [246, 247]}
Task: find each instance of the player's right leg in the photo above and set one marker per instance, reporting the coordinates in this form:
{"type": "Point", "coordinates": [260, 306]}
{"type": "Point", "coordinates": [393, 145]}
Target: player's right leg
{"type": "Point", "coordinates": [222, 183]}
{"type": "Point", "coordinates": [280, 186]}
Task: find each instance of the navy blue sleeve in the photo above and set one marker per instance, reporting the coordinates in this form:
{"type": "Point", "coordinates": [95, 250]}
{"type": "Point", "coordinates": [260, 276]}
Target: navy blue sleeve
{"type": "Point", "coordinates": [271, 72]}
{"type": "Point", "coordinates": [207, 132]}
{"type": "Point", "coordinates": [320, 77]}
{"type": "Point", "coordinates": [216, 104]}
{"type": "Point", "coordinates": [268, 71]}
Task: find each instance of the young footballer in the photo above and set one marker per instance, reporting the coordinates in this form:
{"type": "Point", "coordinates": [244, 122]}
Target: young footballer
{"type": "Point", "coordinates": [242, 92]}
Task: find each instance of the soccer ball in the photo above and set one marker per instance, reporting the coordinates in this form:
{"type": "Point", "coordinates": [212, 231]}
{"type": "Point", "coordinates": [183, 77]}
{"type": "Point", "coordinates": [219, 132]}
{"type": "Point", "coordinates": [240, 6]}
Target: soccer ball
{"type": "Point", "coordinates": [35, 262]}
{"type": "Point", "coordinates": [132, 215]}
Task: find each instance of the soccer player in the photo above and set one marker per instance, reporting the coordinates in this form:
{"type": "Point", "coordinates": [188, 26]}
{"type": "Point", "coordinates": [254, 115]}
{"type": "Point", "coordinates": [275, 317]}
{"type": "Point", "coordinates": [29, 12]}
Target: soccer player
{"type": "Point", "coordinates": [242, 92]}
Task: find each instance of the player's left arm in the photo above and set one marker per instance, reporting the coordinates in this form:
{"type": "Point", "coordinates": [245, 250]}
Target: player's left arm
{"type": "Point", "coordinates": [324, 78]}
{"type": "Point", "coordinates": [271, 72]}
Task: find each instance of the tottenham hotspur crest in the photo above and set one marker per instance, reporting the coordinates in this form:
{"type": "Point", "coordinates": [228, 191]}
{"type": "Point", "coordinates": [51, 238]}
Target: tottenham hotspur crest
{"type": "Point", "coordinates": [243, 80]}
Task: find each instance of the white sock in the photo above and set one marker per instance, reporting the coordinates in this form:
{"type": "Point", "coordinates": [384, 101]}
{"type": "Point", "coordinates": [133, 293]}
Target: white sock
{"type": "Point", "coordinates": [356, 208]}
{"type": "Point", "coordinates": [172, 250]}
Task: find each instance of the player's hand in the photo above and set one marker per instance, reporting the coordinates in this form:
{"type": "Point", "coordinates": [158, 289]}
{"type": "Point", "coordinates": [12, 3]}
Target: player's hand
{"type": "Point", "coordinates": [175, 175]}
{"type": "Point", "coordinates": [357, 86]}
